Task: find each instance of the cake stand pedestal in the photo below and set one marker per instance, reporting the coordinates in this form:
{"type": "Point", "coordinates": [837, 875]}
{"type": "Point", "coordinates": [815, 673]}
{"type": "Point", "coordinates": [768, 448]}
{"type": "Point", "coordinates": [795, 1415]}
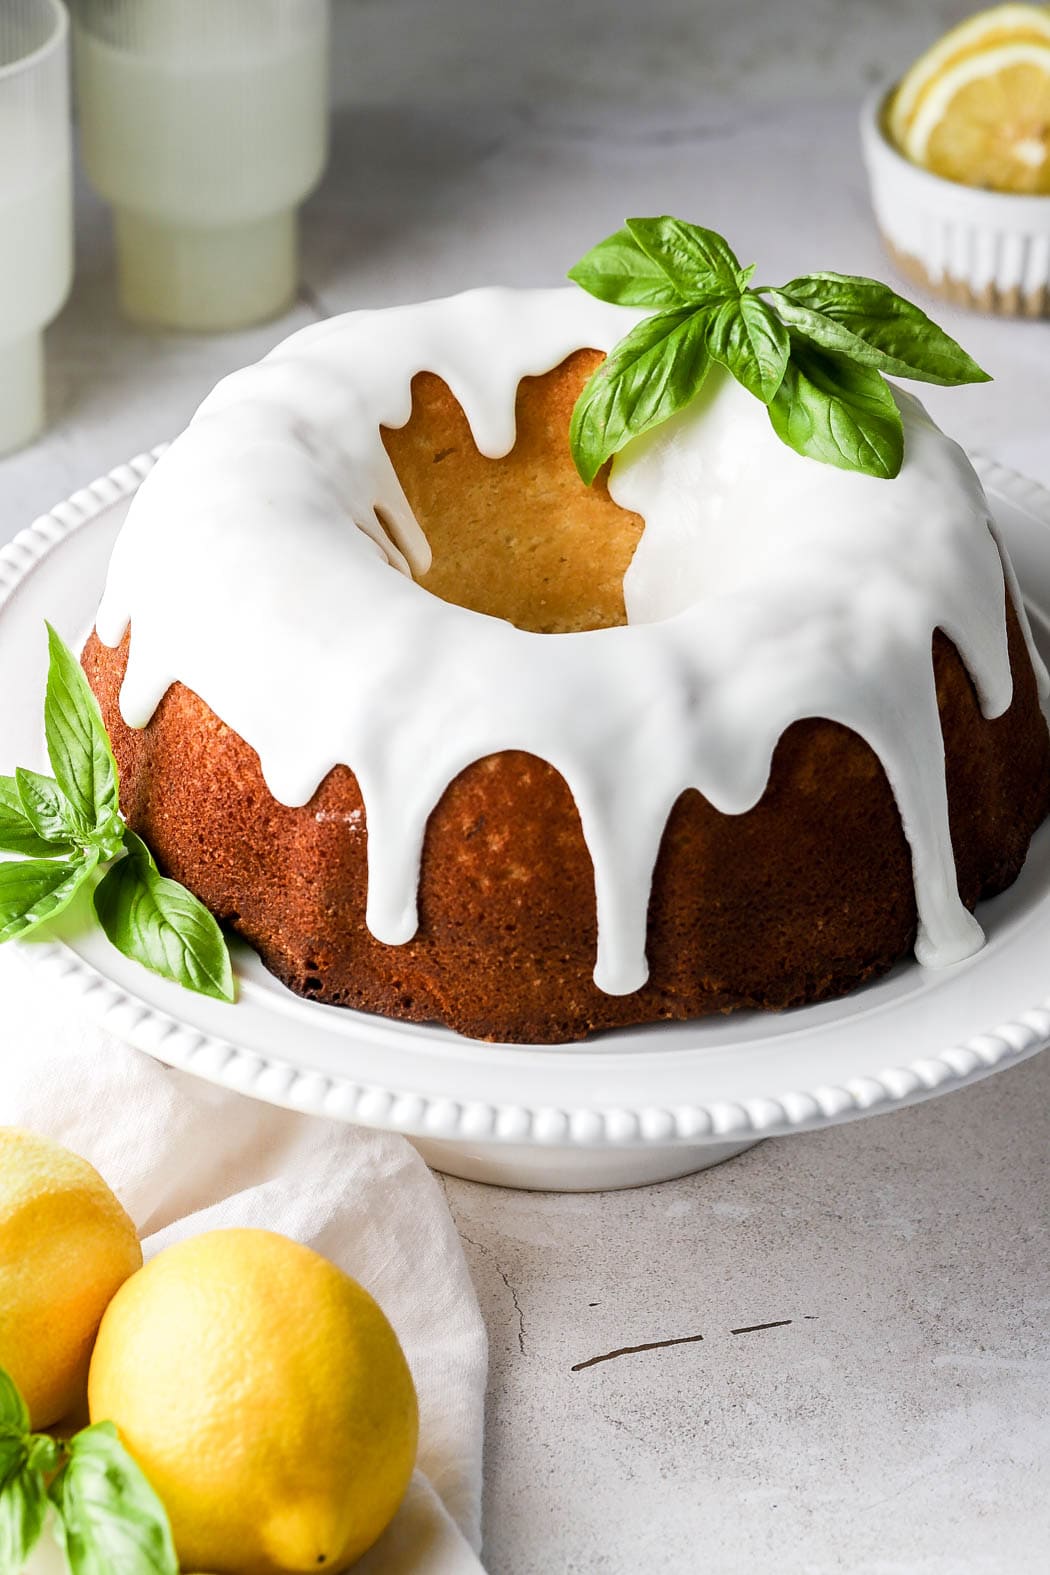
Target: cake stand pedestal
{"type": "Point", "coordinates": [626, 1108]}
{"type": "Point", "coordinates": [531, 1168]}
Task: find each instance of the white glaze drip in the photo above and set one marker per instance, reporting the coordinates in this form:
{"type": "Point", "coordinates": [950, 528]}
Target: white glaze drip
{"type": "Point", "coordinates": [765, 588]}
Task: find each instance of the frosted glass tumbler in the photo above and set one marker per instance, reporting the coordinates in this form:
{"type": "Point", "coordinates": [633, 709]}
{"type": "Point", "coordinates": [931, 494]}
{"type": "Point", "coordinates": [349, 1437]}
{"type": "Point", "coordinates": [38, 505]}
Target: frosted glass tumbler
{"type": "Point", "coordinates": [36, 214]}
{"type": "Point", "coordinates": [205, 124]}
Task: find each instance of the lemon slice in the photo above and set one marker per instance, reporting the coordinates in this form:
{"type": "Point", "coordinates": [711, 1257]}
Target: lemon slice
{"type": "Point", "coordinates": [986, 121]}
{"type": "Point", "coordinates": [977, 36]}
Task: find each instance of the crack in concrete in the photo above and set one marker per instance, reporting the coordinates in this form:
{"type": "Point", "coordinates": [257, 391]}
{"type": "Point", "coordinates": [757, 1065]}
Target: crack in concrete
{"type": "Point", "coordinates": [685, 1339]}
{"type": "Point", "coordinates": [488, 1252]}
{"type": "Point", "coordinates": [517, 1307]}
{"type": "Point", "coordinates": [632, 1350]}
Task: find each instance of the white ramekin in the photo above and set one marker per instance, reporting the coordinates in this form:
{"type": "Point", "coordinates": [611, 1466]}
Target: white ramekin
{"type": "Point", "coordinates": [987, 250]}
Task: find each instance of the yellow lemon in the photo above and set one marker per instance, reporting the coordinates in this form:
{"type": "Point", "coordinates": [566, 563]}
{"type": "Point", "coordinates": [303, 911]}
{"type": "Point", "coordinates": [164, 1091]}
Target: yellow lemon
{"type": "Point", "coordinates": [265, 1396]}
{"type": "Point", "coordinates": [986, 122]}
{"type": "Point", "coordinates": [66, 1246]}
{"type": "Point", "coordinates": [978, 35]}
{"type": "Point", "coordinates": [976, 107]}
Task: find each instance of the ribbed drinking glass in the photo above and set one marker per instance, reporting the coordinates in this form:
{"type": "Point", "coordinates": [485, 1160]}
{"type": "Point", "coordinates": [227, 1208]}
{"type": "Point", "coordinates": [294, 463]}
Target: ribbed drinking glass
{"type": "Point", "coordinates": [36, 218]}
{"type": "Point", "coordinates": [205, 124]}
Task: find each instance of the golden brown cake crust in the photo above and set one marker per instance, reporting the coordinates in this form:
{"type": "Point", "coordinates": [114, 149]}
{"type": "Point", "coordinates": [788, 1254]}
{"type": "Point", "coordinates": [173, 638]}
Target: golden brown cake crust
{"type": "Point", "coordinates": [803, 898]}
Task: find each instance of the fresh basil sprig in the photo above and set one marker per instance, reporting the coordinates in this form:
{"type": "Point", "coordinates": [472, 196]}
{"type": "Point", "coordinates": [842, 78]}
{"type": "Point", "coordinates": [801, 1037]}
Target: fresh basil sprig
{"type": "Point", "coordinates": [159, 923]}
{"type": "Point", "coordinates": [643, 380]}
{"type": "Point", "coordinates": [67, 826]}
{"type": "Point", "coordinates": [813, 351]}
{"type": "Point", "coordinates": [108, 1519]}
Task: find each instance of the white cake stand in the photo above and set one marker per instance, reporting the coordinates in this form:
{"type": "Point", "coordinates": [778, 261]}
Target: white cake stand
{"type": "Point", "coordinates": [626, 1108]}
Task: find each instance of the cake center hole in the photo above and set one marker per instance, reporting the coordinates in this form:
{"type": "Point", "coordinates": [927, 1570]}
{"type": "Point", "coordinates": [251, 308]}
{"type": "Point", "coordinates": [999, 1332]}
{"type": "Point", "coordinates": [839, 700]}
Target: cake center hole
{"type": "Point", "coordinates": [520, 538]}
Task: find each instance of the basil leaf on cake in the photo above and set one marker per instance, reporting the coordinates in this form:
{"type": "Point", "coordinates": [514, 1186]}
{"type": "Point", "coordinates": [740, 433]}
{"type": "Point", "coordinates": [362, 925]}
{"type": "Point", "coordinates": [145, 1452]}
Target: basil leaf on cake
{"type": "Point", "coordinates": [537, 662]}
{"type": "Point", "coordinates": [812, 351]}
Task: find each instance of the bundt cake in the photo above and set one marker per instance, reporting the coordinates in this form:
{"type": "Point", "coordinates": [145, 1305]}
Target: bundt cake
{"type": "Point", "coordinates": [451, 737]}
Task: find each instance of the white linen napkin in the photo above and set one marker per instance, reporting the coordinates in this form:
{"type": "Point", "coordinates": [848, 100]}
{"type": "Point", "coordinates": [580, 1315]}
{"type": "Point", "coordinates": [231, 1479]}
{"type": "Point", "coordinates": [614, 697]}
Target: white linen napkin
{"type": "Point", "coordinates": [185, 1157]}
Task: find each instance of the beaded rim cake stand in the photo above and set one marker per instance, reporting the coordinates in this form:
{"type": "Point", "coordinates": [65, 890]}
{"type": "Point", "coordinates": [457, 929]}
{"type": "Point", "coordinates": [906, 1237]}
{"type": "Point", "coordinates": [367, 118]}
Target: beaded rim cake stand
{"type": "Point", "coordinates": [623, 1109]}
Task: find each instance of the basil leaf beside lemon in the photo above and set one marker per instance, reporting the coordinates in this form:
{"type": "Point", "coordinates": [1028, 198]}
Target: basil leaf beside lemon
{"type": "Point", "coordinates": [14, 1413]}
{"type": "Point", "coordinates": [23, 1504]}
{"type": "Point", "coordinates": [109, 1518]}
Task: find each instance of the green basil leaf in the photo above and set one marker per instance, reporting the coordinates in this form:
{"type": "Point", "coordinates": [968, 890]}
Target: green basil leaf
{"type": "Point", "coordinates": [23, 1508]}
{"type": "Point", "coordinates": [748, 339]}
{"type": "Point", "coordinates": [46, 807]}
{"type": "Point", "coordinates": [138, 849]}
{"type": "Point", "coordinates": [14, 1452]}
{"type": "Point", "coordinates": [108, 837]}
{"type": "Point", "coordinates": [34, 890]}
{"type": "Point", "coordinates": [14, 1413]}
{"type": "Point", "coordinates": [617, 270]}
{"type": "Point", "coordinates": [830, 409]}
{"type": "Point", "coordinates": [698, 262]}
{"type": "Point", "coordinates": [654, 371]}
{"type": "Point", "coordinates": [17, 834]}
{"type": "Point", "coordinates": [112, 1522]}
{"type": "Point", "coordinates": [157, 922]}
{"type": "Point", "coordinates": [875, 326]}
{"type": "Point", "coordinates": [23, 1496]}
{"type": "Point", "coordinates": [45, 1453]}
{"type": "Point", "coordinates": [77, 743]}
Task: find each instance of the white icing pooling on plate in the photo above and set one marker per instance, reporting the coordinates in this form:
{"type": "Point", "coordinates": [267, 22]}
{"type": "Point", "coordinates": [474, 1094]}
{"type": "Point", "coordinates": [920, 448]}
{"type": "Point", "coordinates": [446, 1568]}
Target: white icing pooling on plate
{"type": "Point", "coordinates": [766, 588]}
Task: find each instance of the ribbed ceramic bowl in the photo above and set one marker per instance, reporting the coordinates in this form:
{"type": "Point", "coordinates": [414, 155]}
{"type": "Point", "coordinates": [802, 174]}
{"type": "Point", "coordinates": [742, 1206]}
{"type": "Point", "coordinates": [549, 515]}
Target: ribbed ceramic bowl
{"type": "Point", "coordinates": [986, 250]}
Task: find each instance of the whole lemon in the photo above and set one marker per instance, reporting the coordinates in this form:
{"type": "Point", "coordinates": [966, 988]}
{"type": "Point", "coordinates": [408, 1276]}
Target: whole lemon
{"type": "Point", "coordinates": [265, 1396]}
{"type": "Point", "coordinates": [66, 1246]}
